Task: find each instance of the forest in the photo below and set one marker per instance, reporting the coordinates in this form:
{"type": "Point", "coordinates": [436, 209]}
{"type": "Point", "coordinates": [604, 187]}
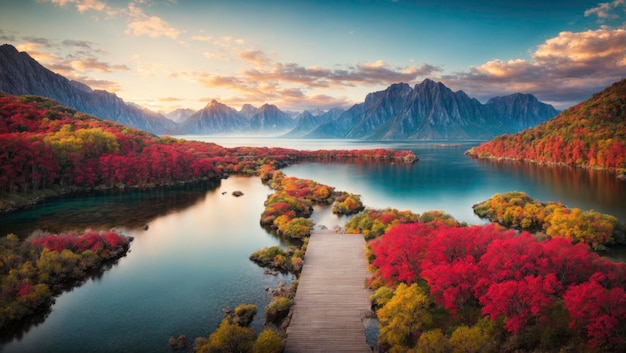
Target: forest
{"type": "Point", "coordinates": [47, 147]}
{"type": "Point", "coordinates": [591, 134]}
{"type": "Point", "coordinates": [441, 286]}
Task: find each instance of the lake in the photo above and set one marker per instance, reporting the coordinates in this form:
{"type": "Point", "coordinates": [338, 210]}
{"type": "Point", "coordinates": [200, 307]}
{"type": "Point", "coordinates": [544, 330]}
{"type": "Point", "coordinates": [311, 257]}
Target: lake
{"type": "Point", "coordinates": [193, 259]}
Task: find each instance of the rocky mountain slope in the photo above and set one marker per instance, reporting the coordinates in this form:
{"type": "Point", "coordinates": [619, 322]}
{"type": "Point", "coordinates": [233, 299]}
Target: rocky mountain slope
{"type": "Point", "coordinates": [430, 110]}
{"type": "Point", "coordinates": [214, 118]}
{"type": "Point", "coordinates": [20, 74]}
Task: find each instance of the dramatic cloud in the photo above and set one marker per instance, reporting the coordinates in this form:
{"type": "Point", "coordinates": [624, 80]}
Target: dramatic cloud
{"type": "Point", "coordinates": [563, 70]}
{"type": "Point", "coordinates": [371, 74]}
{"type": "Point", "coordinates": [141, 24]}
{"type": "Point", "coordinates": [603, 10]}
{"type": "Point", "coordinates": [293, 86]}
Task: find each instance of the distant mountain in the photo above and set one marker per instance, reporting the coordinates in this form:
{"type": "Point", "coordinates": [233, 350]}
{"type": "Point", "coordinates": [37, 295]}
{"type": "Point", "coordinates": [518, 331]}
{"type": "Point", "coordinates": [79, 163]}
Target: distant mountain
{"type": "Point", "coordinates": [306, 121]}
{"type": "Point", "coordinates": [214, 118]}
{"type": "Point", "coordinates": [431, 110]}
{"type": "Point", "coordinates": [521, 111]}
{"type": "Point", "coordinates": [179, 115]}
{"type": "Point", "coordinates": [20, 74]}
{"type": "Point", "coordinates": [248, 110]}
{"type": "Point", "coordinates": [590, 134]}
{"type": "Point", "coordinates": [268, 119]}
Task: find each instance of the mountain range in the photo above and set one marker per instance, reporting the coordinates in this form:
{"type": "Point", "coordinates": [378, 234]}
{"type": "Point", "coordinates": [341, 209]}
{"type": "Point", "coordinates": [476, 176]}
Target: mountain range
{"type": "Point", "coordinates": [429, 110]}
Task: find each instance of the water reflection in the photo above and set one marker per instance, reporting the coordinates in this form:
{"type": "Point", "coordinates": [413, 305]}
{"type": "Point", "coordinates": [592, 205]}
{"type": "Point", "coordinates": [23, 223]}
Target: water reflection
{"type": "Point", "coordinates": [104, 210]}
{"type": "Point", "coordinates": [190, 263]}
{"type": "Point", "coordinates": [575, 187]}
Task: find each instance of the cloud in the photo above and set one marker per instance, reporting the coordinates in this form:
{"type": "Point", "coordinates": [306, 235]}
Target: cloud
{"type": "Point", "coordinates": [256, 57]}
{"type": "Point", "coordinates": [82, 5]}
{"type": "Point", "coordinates": [87, 5]}
{"type": "Point", "coordinates": [44, 42]}
{"type": "Point", "coordinates": [37, 51]}
{"type": "Point", "coordinates": [563, 70]}
{"type": "Point", "coordinates": [169, 99]}
{"type": "Point", "coordinates": [6, 37]}
{"type": "Point", "coordinates": [95, 64]}
{"type": "Point", "coordinates": [293, 86]}
{"type": "Point", "coordinates": [141, 24]}
{"type": "Point", "coordinates": [77, 43]}
{"type": "Point", "coordinates": [370, 74]}
{"type": "Point", "coordinates": [96, 84]}
{"type": "Point", "coordinates": [603, 10]}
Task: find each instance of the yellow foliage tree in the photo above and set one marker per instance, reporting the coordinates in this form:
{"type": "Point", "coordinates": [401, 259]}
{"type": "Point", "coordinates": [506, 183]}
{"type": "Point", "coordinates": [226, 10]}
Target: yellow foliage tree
{"type": "Point", "coordinates": [404, 316]}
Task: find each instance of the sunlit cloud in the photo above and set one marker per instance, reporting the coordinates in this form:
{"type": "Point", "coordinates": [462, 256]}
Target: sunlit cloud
{"type": "Point", "coordinates": [81, 5]}
{"type": "Point", "coordinates": [87, 5]}
{"type": "Point", "coordinates": [564, 70]}
{"type": "Point", "coordinates": [169, 99]}
{"type": "Point", "coordinates": [293, 86]}
{"type": "Point", "coordinates": [604, 9]}
{"type": "Point", "coordinates": [37, 51]}
{"type": "Point", "coordinates": [141, 24]}
{"type": "Point", "coordinates": [256, 57]}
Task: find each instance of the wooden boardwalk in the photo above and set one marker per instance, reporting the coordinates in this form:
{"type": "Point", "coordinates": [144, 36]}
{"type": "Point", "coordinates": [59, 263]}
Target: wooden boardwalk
{"type": "Point", "coordinates": [331, 300]}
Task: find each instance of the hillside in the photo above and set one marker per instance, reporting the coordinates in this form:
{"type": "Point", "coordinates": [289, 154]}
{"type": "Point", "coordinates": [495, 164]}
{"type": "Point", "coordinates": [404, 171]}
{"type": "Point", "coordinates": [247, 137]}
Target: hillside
{"type": "Point", "coordinates": [591, 134]}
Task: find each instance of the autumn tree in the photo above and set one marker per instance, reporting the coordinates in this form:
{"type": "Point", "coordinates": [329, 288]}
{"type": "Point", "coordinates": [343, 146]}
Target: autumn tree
{"type": "Point", "coordinates": [404, 317]}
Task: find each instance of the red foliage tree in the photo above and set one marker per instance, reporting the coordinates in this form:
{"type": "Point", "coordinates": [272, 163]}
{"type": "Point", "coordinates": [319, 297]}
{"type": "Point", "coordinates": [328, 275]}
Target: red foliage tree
{"type": "Point", "coordinates": [520, 301]}
{"type": "Point", "coordinates": [598, 311]}
{"type": "Point", "coordinates": [400, 252]}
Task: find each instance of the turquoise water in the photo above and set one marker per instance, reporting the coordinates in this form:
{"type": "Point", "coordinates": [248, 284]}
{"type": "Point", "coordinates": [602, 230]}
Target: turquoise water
{"type": "Point", "coordinates": [190, 263]}
{"type": "Point", "coordinates": [193, 259]}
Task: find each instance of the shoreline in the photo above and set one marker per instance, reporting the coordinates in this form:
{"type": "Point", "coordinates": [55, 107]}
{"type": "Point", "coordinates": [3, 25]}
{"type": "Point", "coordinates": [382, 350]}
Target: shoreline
{"type": "Point", "coordinates": [619, 174]}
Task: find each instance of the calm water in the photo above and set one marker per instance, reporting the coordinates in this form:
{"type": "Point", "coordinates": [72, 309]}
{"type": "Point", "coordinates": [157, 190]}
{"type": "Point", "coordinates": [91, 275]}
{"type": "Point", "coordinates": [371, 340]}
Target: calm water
{"type": "Point", "coordinates": [180, 273]}
{"type": "Point", "coordinates": [193, 260]}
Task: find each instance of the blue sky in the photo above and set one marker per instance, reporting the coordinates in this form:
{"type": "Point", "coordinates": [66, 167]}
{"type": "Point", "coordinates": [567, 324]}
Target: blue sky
{"type": "Point", "coordinates": [168, 54]}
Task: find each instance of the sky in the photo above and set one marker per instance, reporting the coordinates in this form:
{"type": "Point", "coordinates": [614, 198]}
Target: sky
{"type": "Point", "coordinates": [170, 54]}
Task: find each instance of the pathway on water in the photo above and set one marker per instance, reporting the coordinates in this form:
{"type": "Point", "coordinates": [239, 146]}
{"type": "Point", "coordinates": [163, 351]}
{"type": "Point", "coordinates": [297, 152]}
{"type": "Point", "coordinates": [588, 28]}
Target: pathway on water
{"type": "Point", "coordinates": [331, 301]}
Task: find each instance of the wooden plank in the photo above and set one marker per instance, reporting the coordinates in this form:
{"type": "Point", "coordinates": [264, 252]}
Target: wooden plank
{"type": "Point", "coordinates": [331, 302]}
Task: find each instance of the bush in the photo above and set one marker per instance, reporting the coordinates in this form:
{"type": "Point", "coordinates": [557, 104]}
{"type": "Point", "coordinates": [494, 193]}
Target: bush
{"type": "Point", "coordinates": [278, 309]}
